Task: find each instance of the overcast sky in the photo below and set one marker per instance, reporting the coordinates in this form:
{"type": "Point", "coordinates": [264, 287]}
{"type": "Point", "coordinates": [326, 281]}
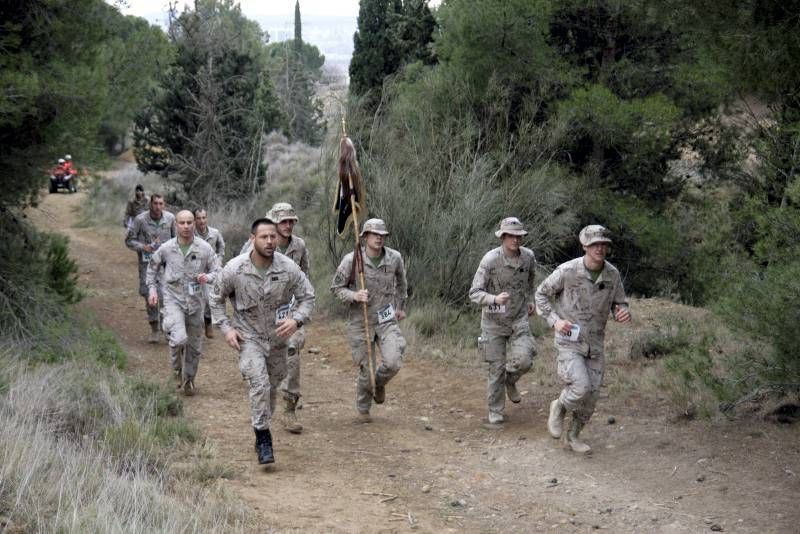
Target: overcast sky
{"type": "Point", "coordinates": [253, 8]}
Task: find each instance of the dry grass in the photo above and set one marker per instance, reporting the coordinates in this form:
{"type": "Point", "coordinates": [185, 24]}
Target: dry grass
{"type": "Point", "coordinates": [61, 471]}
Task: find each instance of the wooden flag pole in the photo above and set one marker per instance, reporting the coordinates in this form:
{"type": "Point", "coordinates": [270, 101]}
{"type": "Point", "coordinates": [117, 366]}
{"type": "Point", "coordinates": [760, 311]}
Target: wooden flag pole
{"type": "Point", "coordinates": [360, 268]}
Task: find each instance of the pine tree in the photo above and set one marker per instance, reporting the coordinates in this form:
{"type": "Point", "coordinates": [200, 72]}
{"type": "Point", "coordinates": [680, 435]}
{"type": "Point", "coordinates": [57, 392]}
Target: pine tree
{"type": "Point", "coordinates": [205, 127]}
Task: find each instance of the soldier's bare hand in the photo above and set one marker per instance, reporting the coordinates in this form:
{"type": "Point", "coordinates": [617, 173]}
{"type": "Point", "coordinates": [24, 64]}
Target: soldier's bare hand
{"type": "Point", "coordinates": [233, 337]}
{"type": "Point", "coordinates": [286, 328]}
{"type": "Point", "coordinates": [152, 301]}
{"type": "Point", "coordinates": [563, 326]}
{"type": "Point", "coordinates": [362, 296]}
{"type": "Point", "coordinates": [148, 248]}
{"type": "Point", "coordinates": [400, 315]}
{"type": "Point", "coordinates": [502, 298]}
{"type": "Point", "coordinates": [202, 278]}
{"type": "Point", "coordinates": [622, 315]}
{"type": "Point", "coordinates": [531, 309]}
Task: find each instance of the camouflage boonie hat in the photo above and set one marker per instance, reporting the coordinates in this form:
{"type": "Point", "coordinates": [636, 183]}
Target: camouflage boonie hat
{"type": "Point", "coordinates": [280, 212]}
{"type": "Point", "coordinates": [374, 226]}
{"type": "Point", "coordinates": [511, 226]}
{"type": "Point", "coordinates": [594, 233]}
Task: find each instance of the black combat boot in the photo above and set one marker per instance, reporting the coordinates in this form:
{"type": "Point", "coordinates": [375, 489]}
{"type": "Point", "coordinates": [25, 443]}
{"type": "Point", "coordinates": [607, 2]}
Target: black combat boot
{"type": "Point", "coordinates": [264, 447]}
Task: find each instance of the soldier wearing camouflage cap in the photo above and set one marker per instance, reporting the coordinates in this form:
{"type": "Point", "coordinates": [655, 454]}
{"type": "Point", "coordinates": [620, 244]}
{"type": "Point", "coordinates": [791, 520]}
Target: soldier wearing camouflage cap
{"type": "Point", "coordinates": [576, 300]}
{"type": "Point", "coordinates": [503, 286]}
{"type": "Point", "coordinates": [284, 216]}
{"type": "Point", "coordinates": [272, 299]}
{"type": "Point", "coordinates": [385, 295]}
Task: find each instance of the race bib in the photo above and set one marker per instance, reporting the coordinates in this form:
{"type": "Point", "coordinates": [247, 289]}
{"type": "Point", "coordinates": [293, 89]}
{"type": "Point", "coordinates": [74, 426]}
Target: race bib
{"type": "Point", "coordinates": [192, 288]}
{"type": "Point", "coordinates": [282, 313]}
{"type": "Point", "coordinates": [572, 336]}
{"type": "Point", "coordinates": [146, 257]}
{"type": "Point", "coordinates": [386, 314]}
{"type": "Point", "coordinates": [496, 308]}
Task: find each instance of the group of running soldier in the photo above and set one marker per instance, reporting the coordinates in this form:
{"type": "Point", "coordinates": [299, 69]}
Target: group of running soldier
{"type": "Point", "coordinates": [186, 288]}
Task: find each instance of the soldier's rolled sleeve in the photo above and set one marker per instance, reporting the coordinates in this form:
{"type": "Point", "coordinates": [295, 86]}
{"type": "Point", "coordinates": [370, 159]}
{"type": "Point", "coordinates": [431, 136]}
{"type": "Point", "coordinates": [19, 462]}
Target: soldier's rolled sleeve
{"type": "Point", "coordinates": [477, 292]}
{"type": "Point", "coordinates": [341, 281]}
{"type": "Point", "coordinates": [304, 299]}
{"type": "Point", "coordinates": [401, 284]}
{"type": "Point", "coordinates": [153, 271]}
{"type": "Point", "coordinates": [549, 288]}
{"type": "Point", "coordinates": [222, 288]}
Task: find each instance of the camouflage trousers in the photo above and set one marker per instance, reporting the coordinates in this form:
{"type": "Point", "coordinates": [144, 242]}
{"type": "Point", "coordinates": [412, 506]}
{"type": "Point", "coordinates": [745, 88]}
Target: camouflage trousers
{"type": "Point", "coordinates": [152, 311]}
{"type": "Point", "coordinates": [291, 384]}
{"type": "Point", "coordinates": [508, 358]}
{"type": "Point", "coordinates": [263, 366]}
{"type": "Point", "coordinates": [185, 336]}
{"type": "Point", "coordinates": [392, 344]}
{"type": "Point", "coordinates": [582, 377]}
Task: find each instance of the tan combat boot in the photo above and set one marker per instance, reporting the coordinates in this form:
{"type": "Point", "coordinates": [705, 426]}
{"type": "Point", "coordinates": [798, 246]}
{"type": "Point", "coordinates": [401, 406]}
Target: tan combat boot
{"type": "Point", "coordinates": [290, 422]}
{"type": "Point", "coordinates": [363, 417]}
{"type": "Point", "coordinates": [573, 441]}
{"type": "Point", "coordinates": [154, 332]}
{"type": "Point", "coordinates": [555, 422]}
{"type": "Point", "coordinates": [513, 393]}
{"type": "Point", "coordinates": [188, 388]}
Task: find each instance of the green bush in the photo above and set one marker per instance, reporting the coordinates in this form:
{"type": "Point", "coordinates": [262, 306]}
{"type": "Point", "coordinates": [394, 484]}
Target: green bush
{"type": "Point", "coordinates": [660, 341]}
{"type": "Point", "coordinates": [764, 305]}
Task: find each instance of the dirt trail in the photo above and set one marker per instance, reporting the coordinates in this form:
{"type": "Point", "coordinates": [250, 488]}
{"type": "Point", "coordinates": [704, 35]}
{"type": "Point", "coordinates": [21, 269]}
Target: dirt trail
{"type": "Point", "coordinates": [426, 446]}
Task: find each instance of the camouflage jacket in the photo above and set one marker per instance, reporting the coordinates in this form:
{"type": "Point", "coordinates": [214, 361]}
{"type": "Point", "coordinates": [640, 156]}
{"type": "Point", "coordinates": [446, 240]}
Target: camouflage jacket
{"type": "Point", "coordinates": [386, 285]}
{"type": "Point", "coordinates": [569, 294]}
{"type": "Point", "coordinates": [178, 273]}
{"type": "Point", "coordinates": [214, 238]}
{"type": "Point", "coordinates": [497, 274]}
{"type": "Point", "coordinates": [145, 231]}
{"type": "Point", "coordinates": [260, 300]}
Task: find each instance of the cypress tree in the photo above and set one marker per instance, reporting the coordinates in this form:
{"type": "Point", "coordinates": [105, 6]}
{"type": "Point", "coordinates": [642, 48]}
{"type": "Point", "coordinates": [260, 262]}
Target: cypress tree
{"type": "Point", "coordinates": [374, 53]}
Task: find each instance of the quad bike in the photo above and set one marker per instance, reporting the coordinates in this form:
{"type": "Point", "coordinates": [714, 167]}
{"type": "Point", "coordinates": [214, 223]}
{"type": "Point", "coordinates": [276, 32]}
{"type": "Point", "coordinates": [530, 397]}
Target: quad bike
{"type": "Point", "coordinates": [63, 180]}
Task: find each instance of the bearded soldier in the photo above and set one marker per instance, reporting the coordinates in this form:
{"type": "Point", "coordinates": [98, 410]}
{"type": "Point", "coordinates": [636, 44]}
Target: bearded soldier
{"type": "Point", "coordinates": [261, 286]}
{"type": "Point", "coordinates": [184, 265]}
{"type": "Point", "coordinates": [146, 233]}
{"type": "Point", "coordinates": [385, 295]}
{"type": "Point", "coordinates": [213, 237]}
{"type": "Point", "coordinates": [294, 247]}
{"type": "Point", "coordinates": [503, 286]}
{"type": "Point", "coordinates": [576, 300]}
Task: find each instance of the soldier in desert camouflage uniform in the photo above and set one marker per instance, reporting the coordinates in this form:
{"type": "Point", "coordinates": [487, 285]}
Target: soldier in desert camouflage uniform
{"type": "Point", "coordinates": [503, 286]}
{"type": "Point", "coordinates": [183, 266]}
{"type": "Point", "coordinates": [576, 300]}
{"type": "Point", "coordinates": [294, 247]}
{"type": "Point", "coordinates": [385, 295]}
{"type": "Point", "coordinates": [146, 233]}
{"type": "Point", "coordinates": [261, 286]}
